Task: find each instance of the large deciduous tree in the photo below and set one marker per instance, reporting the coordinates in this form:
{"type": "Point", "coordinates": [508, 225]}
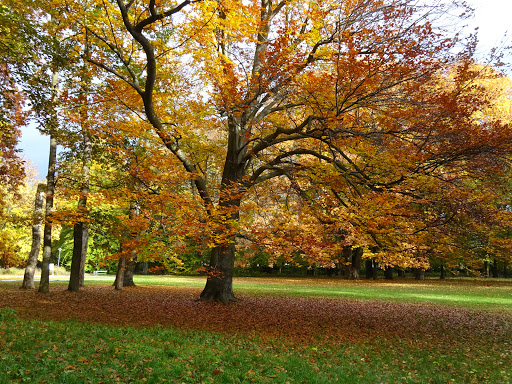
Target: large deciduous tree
{"type": "Point", "coordinates": [243, 93]}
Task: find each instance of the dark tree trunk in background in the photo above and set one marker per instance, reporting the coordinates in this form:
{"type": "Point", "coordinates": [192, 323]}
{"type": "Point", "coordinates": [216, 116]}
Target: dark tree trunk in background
{"type": "Point", "coordinates": [28, 278]}
{"type": "Point", "coordinates": [401, 273]}
{"type": "Point", "coordinates": [485, 269]}
{"type": "Point", "coordinates": [346, 256]}
{"type": "Point", "coordinates": [375, 270]}
{"type": "Point", "coordinates": [494, 268]}
{"type": "Point", "coordinates": [369, 268]}
{"type": "Point", "coordinates": [355, 268]}
{"type": "Point", "coordinates": [388, 273]}
{"type": "Point", "coordinates": [442, 276]}
{"type": "Point", "coordinates": [505, 269]}
{"type": "Point", "coordinates": [419, 274]}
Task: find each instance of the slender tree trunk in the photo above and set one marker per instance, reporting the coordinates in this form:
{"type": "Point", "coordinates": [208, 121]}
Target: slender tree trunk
{"type": "Point", "coordinates": [443, 273]}
{"type": "Point", "coordinates": [494, 268]}
{"type": "Point", "coordinates": [505, 269]}
{"type": "Point", "coordinates": [44, 285]}
{"type": "Point", "coordinates": [369, 269]}
{"type": "Point", "coordinates": [388, 273]}
{"type": "Point", "coordinates": [119, 282]}
{"type": "Point", "coordinates": [375, 270]}
{"type": "Point", "coordinates": [28, 278]}
{"type": "Point", "coordinates": [81, 228]}
{"type": "Point", "coordinates": [346, 256]}
{"type": "Point", "coordinates": [485, 270]}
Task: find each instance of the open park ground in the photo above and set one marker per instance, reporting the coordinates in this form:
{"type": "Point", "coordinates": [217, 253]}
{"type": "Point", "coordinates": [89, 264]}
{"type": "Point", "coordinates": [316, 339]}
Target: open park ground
{"type": "Point", "coordinates": [284, 330]}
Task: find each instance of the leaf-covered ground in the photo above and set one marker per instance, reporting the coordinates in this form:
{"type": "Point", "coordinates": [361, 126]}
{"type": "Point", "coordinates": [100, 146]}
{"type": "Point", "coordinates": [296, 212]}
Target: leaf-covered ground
{"type": "Point", "coordinates": [303, 318]}
{"type": "Point", "coordinates": [261, 339]}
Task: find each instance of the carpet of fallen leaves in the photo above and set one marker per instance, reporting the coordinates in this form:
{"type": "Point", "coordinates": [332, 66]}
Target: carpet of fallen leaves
{"type": "Point", "coordinates": [295, 318]}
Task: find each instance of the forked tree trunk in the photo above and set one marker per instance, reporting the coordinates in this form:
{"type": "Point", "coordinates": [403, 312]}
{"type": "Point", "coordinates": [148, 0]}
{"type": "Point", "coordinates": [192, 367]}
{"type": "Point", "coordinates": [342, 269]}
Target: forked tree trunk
{"type": "Point", "coordinates": [28, 278]}
{"type": "Point", "coordinates": [219, 284]}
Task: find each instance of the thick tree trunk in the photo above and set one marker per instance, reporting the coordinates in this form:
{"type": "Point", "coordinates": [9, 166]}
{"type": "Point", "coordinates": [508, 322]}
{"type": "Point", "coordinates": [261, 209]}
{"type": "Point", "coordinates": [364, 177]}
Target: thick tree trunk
{"type": "Point", "coordinates": [219, 285]}
{"type": "Point", "coordinates": [355, 267]}
{"type": "Point", "coordinates": [28, 278]}
{"type": "Point", "coordinates": [128, 272]}
{"type": "Point", "coordinates": [388, 273]}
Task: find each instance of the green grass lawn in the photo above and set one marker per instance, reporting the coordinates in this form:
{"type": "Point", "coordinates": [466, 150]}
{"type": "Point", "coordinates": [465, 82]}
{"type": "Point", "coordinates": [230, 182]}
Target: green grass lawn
{"type": "Point", "coordinates": [35, 351]}
{"type": "Point", "coordinates": [489, 294]}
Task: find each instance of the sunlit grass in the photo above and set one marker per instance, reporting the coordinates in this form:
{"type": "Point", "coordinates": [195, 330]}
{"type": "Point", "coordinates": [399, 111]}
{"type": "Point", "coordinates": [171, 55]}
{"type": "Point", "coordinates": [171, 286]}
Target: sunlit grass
{"type": "Point", "coordinates": [477, 293]}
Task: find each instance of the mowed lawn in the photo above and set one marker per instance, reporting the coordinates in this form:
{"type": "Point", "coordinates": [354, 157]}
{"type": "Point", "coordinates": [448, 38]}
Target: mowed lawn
{"type": "Point", "coordinates": [284, 330]}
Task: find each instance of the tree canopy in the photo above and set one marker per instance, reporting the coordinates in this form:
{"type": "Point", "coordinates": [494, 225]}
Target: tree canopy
{"type": "Point", "coordinates": [292, 127]}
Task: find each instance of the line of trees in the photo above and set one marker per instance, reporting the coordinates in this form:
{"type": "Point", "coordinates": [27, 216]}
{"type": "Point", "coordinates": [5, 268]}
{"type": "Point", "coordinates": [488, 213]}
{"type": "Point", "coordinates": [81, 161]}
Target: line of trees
{"type": "Point", "coordinates": [334, 130]}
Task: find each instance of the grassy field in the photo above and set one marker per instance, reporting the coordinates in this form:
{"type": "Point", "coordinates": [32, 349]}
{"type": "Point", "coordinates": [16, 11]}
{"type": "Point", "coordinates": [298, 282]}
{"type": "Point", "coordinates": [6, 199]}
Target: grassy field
{"type": "Point", "coordinates": [283, 331]}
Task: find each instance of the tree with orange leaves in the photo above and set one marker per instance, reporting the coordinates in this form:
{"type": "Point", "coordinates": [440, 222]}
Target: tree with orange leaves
{"type": "Point", "coordinates": [243, 93]}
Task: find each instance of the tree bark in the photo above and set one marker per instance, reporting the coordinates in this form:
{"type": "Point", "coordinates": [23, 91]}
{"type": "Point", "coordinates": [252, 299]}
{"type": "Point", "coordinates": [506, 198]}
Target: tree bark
{"type": "Point", "coordinates": [80, 239]}
{"type": "Point", "coordinates": [119, 282]}
{"type": "Point", "coordinates": [388, 273]}
{"type": "Point", "coordinates": [355, 268]}
{"type": "Point", "coordinates": [369, 269]}
{"type": "Point", "coordinates": [44, 285]}
{"type": "Point", "coordinates": [219, 284]}
{"type": "Point", "coordinates": [28, 278]}
{"type": "Point", "coordinates": [419, 274]}
{"type": "Point", "coordinates": [443, 273]}
{"type": "Point", "coordinates": [494, 269]}
{"type": "Point", "coordinates": [375, 270]}
{"type": "Point", "coordinates": [129, 270]}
